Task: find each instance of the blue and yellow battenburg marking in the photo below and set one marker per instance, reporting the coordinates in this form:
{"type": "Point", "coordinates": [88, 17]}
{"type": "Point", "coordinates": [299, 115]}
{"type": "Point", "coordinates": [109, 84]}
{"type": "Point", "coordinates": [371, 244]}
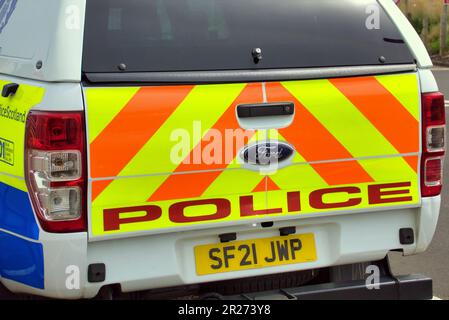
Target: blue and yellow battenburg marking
{"type": "Point", "coordinates": [21, 254]}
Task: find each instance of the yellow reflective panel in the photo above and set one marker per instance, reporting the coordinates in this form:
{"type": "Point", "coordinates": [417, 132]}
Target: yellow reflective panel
{"type": "Point", "coordinates": [103, 105]}
{"type": "Point", "coordinates": [349, 196]}
{"type": "Point", "coordinates": [13, 114]}
{"type": "Point", "coordinates": [296, 175]}
{"type": "Point", "coordinates": [13, 182]}
{"type": "Point", "coordinates": [389, 169]}
{"type": "Point", "coordinates": [202, 107]}
{"type": "Point", "coordinates": [345, 122]}
{"type": "Point", "coordinates": [235, 181]}
{"type": "Point", "coordinates": [218, 206]}
{"type": "Point", "coordinates": [405, 87]}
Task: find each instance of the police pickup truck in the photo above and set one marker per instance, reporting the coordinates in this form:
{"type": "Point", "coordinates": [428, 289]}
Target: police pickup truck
{"type": "Point", "coordinates": [238, 149]}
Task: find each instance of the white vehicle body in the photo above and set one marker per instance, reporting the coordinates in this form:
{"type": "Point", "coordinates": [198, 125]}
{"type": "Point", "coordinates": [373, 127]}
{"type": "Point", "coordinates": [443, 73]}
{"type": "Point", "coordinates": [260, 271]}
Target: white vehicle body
{"type": "Point", "coordinates": [51, 33]}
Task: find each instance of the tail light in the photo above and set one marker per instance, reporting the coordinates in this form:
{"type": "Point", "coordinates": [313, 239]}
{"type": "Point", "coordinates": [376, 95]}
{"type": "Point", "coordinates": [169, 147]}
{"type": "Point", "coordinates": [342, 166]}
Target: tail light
{"type": "Point", "coordinates": [56, 169]}
{"type": "Point", "coordinates": [434, 133]}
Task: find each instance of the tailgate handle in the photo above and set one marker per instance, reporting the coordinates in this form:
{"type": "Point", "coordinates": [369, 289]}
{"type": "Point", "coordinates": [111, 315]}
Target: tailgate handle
{"type": "Point", "coordinates": [265, 110]}
{"type": "Point", "coordinates": [265, 116]}
{"type": "Point", "coordinates": [9, 89]}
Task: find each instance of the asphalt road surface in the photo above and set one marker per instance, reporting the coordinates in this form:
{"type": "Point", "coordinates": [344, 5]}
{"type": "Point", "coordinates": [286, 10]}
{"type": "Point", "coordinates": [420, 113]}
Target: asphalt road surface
{"type": "Point", "coordinates": [435, 261]}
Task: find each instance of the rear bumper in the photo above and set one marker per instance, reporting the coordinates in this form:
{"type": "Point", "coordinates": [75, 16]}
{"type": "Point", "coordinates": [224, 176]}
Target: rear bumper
{"type": "Point", "coordinates": [411, 287]}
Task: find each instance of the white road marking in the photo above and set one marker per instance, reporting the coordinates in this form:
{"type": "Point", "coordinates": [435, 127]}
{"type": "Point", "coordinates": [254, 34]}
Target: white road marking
{"type": "Point", "coordinates": [436, 298]}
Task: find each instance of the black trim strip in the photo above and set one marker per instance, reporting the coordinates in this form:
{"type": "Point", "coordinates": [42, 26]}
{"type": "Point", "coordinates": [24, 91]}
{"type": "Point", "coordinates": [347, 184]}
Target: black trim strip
{"type": "Point", "coordinates": [410, 287]}
{"type": "Point", "coordinates": [203, 77]}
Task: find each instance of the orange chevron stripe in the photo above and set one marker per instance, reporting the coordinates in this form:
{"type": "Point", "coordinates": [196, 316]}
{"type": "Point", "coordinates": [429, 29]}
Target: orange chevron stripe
{"type": "Point", "coordinates": [262, 186]}
{"type": "Point", "coordinates": [271, 185]}
{"type": "Point", "coordinates": [142, 116]}
{"type": "Point", "coordinates": [413, 162]}
{"type": "Point", "coordinates": [170, 188]}
{"type": "Point", "coordinates": [267, 184]}
{"type": "Point", "coordinates": [98, 187]}
{"type": "Point", "coordinates": [315, 143]}
{"type": "Point", "coordinates": [384, 111]}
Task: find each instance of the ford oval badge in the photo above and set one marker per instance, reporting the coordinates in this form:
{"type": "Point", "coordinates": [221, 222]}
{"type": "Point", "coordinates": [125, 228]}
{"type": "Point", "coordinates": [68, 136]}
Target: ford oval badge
{"type": "Point", "coordinates": [267, 153]}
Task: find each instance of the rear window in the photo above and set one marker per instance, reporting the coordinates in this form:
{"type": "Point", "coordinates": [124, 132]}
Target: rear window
{"type": "Point", "coordinates": [202, 35]}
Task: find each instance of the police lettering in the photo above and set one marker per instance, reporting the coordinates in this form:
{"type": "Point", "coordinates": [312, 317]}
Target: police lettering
{"type": "Point", "coordinates": [348, 197]}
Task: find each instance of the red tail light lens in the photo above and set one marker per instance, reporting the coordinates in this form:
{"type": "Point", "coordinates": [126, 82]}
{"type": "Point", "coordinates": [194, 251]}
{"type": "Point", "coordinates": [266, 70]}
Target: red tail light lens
{"type": "Point", "coordinates": [55, 169]}
{"type": "Point", "coordinates": [434, 144]}
{"type": "Point", "coordinates": [433, 112]}
{"type": "Point", "coordinates": [433, 172]}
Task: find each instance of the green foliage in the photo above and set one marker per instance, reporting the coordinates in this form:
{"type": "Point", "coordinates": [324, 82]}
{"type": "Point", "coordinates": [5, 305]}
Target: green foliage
{"type": "Point", "coordinates": [434, 46]}
{"type": "Point", "coordinates": [417, 10]}
{"type": "Point", "coordinates": [417, 23]}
